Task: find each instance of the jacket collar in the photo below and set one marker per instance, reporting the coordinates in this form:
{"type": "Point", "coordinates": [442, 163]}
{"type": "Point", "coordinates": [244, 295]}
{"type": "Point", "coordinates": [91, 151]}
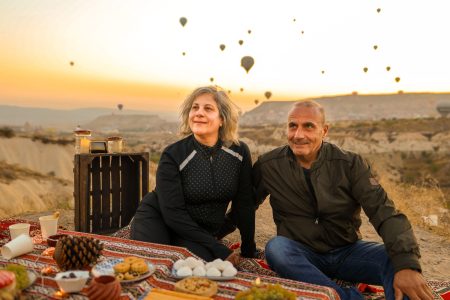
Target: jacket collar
{"type": "Point", "coordinates": [320, 157]}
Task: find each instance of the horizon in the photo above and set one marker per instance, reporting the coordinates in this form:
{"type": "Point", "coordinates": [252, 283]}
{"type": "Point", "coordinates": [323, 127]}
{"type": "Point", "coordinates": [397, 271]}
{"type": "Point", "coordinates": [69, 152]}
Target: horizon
{"type": "Point", "coordinates": [175, 109]}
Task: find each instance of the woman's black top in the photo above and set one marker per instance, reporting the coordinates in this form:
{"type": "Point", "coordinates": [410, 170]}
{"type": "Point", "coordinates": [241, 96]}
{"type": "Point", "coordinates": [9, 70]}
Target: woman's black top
{"type": "Point", "coordinates": [194, 185]}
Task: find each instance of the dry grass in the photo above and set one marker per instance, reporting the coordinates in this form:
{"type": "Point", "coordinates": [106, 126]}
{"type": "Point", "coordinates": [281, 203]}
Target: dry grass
{"type": "Point", "coordinates": [11, 172]}
{"type": "Point", "coordinates": [418, 201]}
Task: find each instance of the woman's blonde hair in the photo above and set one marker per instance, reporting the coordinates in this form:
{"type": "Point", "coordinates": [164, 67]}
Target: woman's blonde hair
{"type": "Point", "coordinates": [227, 111]}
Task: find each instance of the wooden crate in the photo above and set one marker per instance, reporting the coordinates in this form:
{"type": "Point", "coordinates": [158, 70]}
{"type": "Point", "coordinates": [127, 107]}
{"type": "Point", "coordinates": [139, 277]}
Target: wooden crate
{"type": "Point", "coordinates": [107, 190]}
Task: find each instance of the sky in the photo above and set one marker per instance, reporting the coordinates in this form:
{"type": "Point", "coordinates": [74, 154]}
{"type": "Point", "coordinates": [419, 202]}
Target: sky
{"type": "Point", "coordinates": [131, 52]}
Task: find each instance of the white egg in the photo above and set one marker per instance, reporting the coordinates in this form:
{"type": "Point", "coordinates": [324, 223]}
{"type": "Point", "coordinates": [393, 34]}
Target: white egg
{"type": "Point", "coordinates": [191, 262]}
{"type": "Point", "coordinates": [213, 272]}
{"type": "Point", "coordinates": [184, 271]}
{"type": "Point", "coordinates": [199, 271]}
{"type": "Point", "coordinates": [217, 260]}
{"type": "Point", "coordinates": [227, 264]}
{"type": "Point", "coordinates": [199, 263]}
{"type": "Point", "coordinates": [209, 265]}
{"type": "Point", "coordinates": [221, 265]}
{"type": "Point", "coordinates": [229, 272]}
{"type": "Point", "coordinates": [179, 263]}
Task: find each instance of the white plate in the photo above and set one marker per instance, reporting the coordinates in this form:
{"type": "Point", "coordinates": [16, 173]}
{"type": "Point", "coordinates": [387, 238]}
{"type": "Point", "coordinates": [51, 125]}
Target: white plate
{"type": "Point", "coordinates": [106, 268]}
{"type": "Point", "coordinates": [217, 278]}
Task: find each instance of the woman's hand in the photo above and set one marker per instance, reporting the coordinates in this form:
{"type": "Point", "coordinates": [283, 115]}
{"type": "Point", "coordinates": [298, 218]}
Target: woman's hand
{"type": "Point", "coordinates": [235, 258]}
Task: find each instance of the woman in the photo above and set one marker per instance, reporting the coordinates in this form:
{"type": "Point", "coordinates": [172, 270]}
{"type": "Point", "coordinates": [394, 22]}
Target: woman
{"type": "Point", "coordinates": [197, 177]}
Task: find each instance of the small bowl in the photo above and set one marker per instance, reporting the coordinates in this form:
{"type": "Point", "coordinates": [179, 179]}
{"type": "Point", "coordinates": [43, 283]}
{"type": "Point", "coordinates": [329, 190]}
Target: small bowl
{"type": "Point", "coordinates": [53, 239]}
{"type": "Point", "coordinates": [72, 285]}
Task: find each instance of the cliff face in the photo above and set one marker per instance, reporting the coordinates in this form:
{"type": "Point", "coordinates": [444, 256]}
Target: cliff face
{"type": "Point", "coordinates": [354, 107]}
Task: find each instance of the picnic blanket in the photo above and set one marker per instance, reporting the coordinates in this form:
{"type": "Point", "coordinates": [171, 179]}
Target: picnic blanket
{"type": "Point", "coordinates": [162, 256]}
{"type": "Point", "coordinates": [441, 289]}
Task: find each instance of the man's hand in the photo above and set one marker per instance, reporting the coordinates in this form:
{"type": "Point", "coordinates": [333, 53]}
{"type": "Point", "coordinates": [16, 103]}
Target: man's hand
{"type": "Point", "coordinates": [412, 284]}
{"type": "Point", "coordinates": [235, 258]}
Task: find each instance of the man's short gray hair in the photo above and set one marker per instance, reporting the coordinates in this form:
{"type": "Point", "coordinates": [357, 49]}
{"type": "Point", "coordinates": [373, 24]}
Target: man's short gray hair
{"type": "Point", "coordinates": [310, 104]}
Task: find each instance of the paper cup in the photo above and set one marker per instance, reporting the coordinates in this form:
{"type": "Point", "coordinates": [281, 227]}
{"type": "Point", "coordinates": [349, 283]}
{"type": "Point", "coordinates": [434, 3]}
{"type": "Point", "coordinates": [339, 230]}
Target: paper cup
{"type": "Point", "coordinates": [18, 246]}
{"type": "Point", "coordinates": [49, 226]}
{"type": "Point", "coordinates": [18, 229]}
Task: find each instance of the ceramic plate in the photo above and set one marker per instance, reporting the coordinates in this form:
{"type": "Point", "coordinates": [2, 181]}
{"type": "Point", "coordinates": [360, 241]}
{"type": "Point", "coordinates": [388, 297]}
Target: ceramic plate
{"type": "Point", "coordinates": [217, 278]}
{"type": "Point", "coordinates": [106, 268]}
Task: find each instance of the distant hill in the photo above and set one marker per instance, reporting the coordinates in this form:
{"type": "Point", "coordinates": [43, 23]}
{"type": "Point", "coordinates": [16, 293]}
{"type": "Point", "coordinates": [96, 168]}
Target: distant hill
{"type": "Point", "coordinates": [62, 119]}
{"type": "Point", "coordinates": [354, 107]}
{"type": "Point", "coordinates": [148, 123]}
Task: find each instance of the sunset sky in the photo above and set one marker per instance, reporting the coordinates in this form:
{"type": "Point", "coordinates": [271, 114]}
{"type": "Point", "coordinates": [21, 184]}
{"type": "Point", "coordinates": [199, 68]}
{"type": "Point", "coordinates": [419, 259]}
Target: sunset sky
{"type": "Point", "coordinates": [131, 52]}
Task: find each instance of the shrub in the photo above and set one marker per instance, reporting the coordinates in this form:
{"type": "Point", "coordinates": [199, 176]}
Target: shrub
{"type": "Point", "coordinates": [6, 132]}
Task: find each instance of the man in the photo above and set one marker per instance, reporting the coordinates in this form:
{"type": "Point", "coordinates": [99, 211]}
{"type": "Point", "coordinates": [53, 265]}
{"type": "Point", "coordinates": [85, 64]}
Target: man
{"type": "Point", "coordinates": [316, 192]}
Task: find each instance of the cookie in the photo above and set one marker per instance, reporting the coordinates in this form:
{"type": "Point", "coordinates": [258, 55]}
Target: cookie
{"type": "Point", "coordinates": [121, 267]}
{"type": "Point", "coordinates": [139, 267]}
{"type": "Point", "coordinates": [129, 276]}
{"type": "Point", "coordinates": [132, 259]}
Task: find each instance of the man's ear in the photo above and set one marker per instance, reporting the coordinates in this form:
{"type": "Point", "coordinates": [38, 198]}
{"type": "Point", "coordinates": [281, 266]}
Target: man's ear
{"type": "Point", "coordinates": [325, 130]}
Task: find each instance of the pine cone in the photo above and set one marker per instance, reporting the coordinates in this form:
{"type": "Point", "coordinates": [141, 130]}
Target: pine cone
{"type": "Point", "coordinates": [75, 253]}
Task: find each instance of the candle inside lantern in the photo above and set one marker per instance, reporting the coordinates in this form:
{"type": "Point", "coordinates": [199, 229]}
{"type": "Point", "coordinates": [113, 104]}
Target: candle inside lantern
{"type": "Point", "coordinates": [84, 145]}
{"type": "Point", "coordinates": [82, 141]}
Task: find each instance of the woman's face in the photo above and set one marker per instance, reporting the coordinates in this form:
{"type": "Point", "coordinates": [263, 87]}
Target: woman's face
{"type": "Point", "coordinates": [205, 120]}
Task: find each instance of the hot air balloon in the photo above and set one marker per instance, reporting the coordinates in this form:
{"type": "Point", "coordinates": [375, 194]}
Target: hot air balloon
{"type": "Point", "coordinates": [294, 20]}
{"type": "Point", "coordinates": [241, 42]}
{"type": "Point", "coordinates": [183, 21]}
{"type": "Point", "coordinates": [388, 68]}
{"type": "Point", "coordinates": [247, 62]}
{"type": "Point", "coordinates": [400, 92]}
{"type": "Point", "coordinates": [249, 31]}
{"type": "Point", "coordinates": [241, 89]}
{"type": "Point", "coordinates": [323, 72]}
{"type": "Point", "coordinates": [184, 53]}
{"type": "Point", "coordinates": [222, 47]}
{"type": "Point", "coordinates": [397, 79]}
{"type": "Point", "coordinates": [365, 69]}
{"type": "Point", "coordinates": [211, 79]}
{"type": "Point", "coordinates": [355, 93]}
{"type": "Point", "coordinates": [71, 63]}
{"type": "Point", "coordinates": [268, 94]}
{"type": "Point", "coordinates": [378, 10]}
{"type": "Point", "coordinates": [256, 101]}
{"type": "Point", "coordinates": [375, 47]}
{"type": "Point", "coordinates": [303, 32]}
{"type": "Point", "coordinates": [229, 91]}
{"type": "Point", "coordinates": [120, 106]}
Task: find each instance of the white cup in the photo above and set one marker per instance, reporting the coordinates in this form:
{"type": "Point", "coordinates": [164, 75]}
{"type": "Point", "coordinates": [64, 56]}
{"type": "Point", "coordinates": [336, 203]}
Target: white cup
{"type": "Point", "coordinates": [17, 229]}
{"type": "Point", "coordinates": [49, 226]}
{"type": "Point", "coordinates": [18, 246]}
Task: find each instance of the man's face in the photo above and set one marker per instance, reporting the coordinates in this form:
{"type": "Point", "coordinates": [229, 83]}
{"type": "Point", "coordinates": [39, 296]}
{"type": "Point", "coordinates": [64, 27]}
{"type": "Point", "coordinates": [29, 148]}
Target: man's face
{"type": "Point", "coordinates": [305, 132]}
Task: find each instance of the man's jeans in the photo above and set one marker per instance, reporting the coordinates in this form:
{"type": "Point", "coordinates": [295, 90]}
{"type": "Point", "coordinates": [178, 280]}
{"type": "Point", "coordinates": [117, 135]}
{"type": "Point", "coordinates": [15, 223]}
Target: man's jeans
{"type": "Point", "coordinates": [365, 262]}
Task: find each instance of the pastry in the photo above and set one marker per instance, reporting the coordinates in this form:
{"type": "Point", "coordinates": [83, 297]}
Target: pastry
{"type": "Point", "coordinates": [129, 276]}
{"type": "Point", "coordinates": [197, 286]}
{"type": "Point", "coordinates": [121, 267]}
{"type": "Point", "coordinates": [139, 267]}
{"type": "Point", "coordinates": [184, 271]}
{"type": "Point", "coordinates": [178, 264]}
{"type": "Point", "coordinates": [199, 271]}
{"type": "Point", "coordinates": [213, 272]}
{"type": "Point", "coordinates": [132, 259]}
{"type": "Point", "coordinates": [229, 272]}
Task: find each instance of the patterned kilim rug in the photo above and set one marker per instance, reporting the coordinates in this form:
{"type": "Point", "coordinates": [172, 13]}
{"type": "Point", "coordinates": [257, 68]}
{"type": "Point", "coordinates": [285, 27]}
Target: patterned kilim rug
{"type": "Point", "coordinates": [164, 256]}
{"type": "Point", "coordinates": [441, 289]}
